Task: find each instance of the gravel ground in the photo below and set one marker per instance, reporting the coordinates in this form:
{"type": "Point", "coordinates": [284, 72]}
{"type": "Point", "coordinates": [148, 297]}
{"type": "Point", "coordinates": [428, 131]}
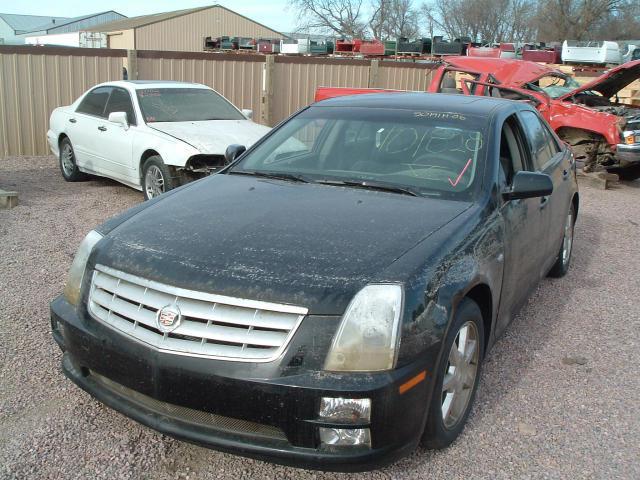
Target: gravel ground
{"type": "Point", "coordinates": [559, 397]}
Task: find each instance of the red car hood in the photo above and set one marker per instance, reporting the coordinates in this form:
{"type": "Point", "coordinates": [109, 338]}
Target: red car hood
{"type": "Point", "coordinates": [611, 82]}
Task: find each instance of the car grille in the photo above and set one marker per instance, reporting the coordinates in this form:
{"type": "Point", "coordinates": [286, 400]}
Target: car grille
{"type": "Point", "coordinates": [213, 326]}
{"type": "Point", "coordinates": [185, 414]}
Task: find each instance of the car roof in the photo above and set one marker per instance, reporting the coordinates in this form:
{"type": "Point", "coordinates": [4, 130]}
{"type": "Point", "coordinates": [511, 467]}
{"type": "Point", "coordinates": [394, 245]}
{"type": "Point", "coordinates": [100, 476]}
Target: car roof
{"type": "Point", "coordinates": [416, 101]}
{"type": "Point", "coordinates": [505, 70]}
{"type": "Point", "coordinates": [141, 84]}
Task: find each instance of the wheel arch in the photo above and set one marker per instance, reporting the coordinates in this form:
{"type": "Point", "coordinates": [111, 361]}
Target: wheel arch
{"type": "Point", "coordinates": [481, 294]}
{"type": "Point", "coordinates": [148, 153]}
{"type": "Point", "coordinates": [61, 137]}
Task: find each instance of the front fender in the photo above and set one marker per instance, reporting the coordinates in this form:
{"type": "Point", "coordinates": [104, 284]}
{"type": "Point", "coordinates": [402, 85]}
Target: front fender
{"type": "Point", "coordinates": [173, 151]}
{"type": "Point", "coordinates": [467, 253]}
{"type": "Point", "coordinates": [563, 114]}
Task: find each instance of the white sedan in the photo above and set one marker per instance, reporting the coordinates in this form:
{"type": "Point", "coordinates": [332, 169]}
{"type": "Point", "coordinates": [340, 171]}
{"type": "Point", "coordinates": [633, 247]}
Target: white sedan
{"type": "Point", "coordinates": [150, 135]}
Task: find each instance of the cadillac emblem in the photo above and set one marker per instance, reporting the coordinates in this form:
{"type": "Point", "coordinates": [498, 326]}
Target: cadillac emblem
{"type": "Point", "coordinates": [168, 318]}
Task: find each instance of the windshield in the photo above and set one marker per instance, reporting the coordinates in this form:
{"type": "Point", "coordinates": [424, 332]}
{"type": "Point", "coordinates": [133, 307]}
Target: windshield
{"type": "Point", "coordinates": [185, 105]}
{"type": "Point", "coordinates": [422, 152]}
{"type": "Point", "coordinates": [556, 86]}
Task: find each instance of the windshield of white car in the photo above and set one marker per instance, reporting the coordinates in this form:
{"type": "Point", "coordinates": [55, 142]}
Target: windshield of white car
{"type": "Point", "coordinates": [417, 152]}
{"type": "Point", "coordinates": [185, 105]}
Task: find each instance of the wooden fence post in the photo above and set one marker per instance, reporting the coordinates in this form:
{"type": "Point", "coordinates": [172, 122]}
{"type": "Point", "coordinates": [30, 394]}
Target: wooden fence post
{"type": "Point", "coordinates": [132, 65]}
{"type": "Point", "coordinates": [266, 114]}
{"type": "Point", "coordinates": [374, 71]}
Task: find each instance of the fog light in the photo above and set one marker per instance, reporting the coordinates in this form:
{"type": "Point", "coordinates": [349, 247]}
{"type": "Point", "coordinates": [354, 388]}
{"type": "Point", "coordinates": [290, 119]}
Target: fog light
{"type": "Point", "coordinates": [345, 410]}
{"type": "Point", "coordinates": [345, 436]}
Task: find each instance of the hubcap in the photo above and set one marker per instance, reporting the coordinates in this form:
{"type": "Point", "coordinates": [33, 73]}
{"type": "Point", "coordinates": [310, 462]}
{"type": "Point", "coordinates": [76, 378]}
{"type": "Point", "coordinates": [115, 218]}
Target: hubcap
{"type": "Point", "coordinates": [460, 375]}
{"type": "Point", "coordinates": [567, 241]}
{"type": "Point", "coordinates": [154, 182]}
{"type": "Point", "coordinates": [67, 159]}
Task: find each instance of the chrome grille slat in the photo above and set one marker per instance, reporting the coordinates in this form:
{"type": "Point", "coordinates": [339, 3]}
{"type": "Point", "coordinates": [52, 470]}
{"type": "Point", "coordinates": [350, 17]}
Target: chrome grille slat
{"type": "Point", "coordinates": [233, 335]}
{"type": "Point", "coordinates": [124, 309]}
{"type": "Point", "coordinates": [213, 326]}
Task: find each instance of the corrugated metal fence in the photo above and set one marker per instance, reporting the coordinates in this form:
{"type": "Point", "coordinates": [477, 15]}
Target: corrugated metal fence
{"type": "Point", "coordinates": [35, 80]}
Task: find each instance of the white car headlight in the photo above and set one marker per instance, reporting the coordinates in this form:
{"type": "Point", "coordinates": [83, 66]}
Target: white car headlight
{"type": "Point", "coordinates": [76, 272]}
{"type": "Point", "coordinates": [367, 339]}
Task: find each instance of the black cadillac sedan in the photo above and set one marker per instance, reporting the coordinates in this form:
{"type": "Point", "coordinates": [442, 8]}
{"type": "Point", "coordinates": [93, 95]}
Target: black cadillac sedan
{"type": "Point", "coordinates": [328, 299]}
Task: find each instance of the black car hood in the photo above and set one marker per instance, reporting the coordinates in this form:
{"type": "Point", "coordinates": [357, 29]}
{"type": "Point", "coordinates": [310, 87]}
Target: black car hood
{"type": "Point", "coordinates": [304, 244]}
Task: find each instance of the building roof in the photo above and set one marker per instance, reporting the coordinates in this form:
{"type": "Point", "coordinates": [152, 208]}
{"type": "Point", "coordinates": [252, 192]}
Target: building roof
{"type": "Point", "coordinates": [141, 21]}
{"type": "Point", "coordinates": [28, 23]}
{"type": "Point", "coordinates": [144, 20]}
{"type": "Point", "coordinates": [69, 21]}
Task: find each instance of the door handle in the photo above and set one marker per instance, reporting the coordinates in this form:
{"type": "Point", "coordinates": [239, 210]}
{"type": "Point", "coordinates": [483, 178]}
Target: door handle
{"type": "Point", "coordinates": [543, 202]}
{"type": "Point", "coordinates": [565, 174]}
{"type": "Point", "coordinates": [72, 120]}
{"type": "Point", "coordinates": [102, 129]}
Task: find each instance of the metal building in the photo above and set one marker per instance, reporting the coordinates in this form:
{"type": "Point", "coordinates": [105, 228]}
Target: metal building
{"type": "Point", "coordinates": [12, 26]}
{"type": "Point", "coordinates": [181, 30]}
{"type": "Point", "coordinates": [75, 24]}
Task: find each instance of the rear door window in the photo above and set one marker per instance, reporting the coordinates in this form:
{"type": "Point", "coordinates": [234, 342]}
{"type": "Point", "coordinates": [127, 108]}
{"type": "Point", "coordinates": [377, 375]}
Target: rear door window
{"type": "Point", "coordinates": [95, 101]}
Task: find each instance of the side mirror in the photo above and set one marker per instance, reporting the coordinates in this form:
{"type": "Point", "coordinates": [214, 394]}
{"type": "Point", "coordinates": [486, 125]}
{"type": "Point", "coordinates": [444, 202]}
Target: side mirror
{"type": "Point", "coordinates": [247, 113]}
{"type": "Point", "coordinates": [119, 118]}
{"type": "Point", "coordinates": [233, 152]}
{"type": "Point", "coordinates": [529, 185]}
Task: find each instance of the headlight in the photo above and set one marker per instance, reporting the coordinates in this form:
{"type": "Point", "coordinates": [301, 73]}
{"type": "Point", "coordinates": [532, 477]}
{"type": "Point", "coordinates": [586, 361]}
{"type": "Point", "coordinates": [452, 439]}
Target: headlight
{"type": "Point", "coordinates": [76, 272]}
{"type": "Point", "coordinates": [367, 339]}
{"type": "Point", "coordinates": [631, 137]}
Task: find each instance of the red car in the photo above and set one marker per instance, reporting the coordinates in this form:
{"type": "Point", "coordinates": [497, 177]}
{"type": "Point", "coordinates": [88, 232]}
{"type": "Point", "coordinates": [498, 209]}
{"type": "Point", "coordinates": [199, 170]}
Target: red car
{"type": "Point", "coordinates": [603, 132]}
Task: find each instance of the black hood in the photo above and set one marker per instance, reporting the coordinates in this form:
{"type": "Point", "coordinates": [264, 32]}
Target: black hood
{"type": "Point", "coordinates": [304, 244]}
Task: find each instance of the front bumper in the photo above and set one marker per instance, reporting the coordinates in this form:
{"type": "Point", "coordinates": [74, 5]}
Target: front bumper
{"type": "Point", "coordinates": [628, 154]}
{"type": "Point", "coordinates": [238, 408]}
{"type": "Point", "coordinates": [52, 140]}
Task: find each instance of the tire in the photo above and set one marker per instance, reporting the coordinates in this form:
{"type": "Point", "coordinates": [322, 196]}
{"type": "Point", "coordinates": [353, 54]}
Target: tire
{"type": "Point", "coordinates": [629, 173]}
{"type": "Point", "coordinates": [561, 267]}
{"type": "Point", "coordinates": [452, 402]}
{"type": "Point", "coordinates": [156, 177]}
{"type": "Point", "coordinates": [67, 162]}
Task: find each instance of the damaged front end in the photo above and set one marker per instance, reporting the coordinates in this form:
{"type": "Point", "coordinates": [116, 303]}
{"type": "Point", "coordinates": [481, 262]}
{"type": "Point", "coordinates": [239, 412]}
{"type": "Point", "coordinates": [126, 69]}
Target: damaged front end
{"type": "Point", "coordinates": [603, 97]}
{"type": "Point", "coordinates": [199, 166]}
{"type": "Point", "coordinates": [628, 150]}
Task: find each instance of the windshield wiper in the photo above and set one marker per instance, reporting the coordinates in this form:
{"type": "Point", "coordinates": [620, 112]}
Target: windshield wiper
{"type": "Point", "coordinates": [277, 175]}
{"type": "Point", "coordinates": [371, 186]}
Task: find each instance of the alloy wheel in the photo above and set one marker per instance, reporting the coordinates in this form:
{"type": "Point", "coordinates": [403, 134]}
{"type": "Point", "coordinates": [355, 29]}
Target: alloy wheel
{"type": "Point", "coordinates": [68, 164]}
{"type": "Point", "coordinates": [460, 375]}
{"type": "Point", "coordinates": [154, 181]}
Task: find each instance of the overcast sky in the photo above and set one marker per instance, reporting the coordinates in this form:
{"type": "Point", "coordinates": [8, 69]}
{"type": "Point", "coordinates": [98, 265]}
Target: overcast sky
{"type": "Point", "coordinates": [272, 13]}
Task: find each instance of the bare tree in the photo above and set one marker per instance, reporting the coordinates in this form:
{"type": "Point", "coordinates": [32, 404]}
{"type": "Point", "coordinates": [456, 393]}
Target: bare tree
{"type": "Point", "coordinates": [620, 24]}
{"type": "Point", "coordinates": [482, 20]}
{"type": "Point", "coordinates": [403, 19]}
{"type": "Point", "coordinates": [343, 18]}
{"type": "Point", "coordinates": [379, 18]}
{"type": "Point", "coordinates": [577, 19]}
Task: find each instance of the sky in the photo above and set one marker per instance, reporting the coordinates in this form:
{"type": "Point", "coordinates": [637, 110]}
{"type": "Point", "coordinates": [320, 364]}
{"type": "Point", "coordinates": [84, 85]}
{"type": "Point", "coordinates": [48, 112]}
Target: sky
{"type": "Point", "coordinates": [272, 13]}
